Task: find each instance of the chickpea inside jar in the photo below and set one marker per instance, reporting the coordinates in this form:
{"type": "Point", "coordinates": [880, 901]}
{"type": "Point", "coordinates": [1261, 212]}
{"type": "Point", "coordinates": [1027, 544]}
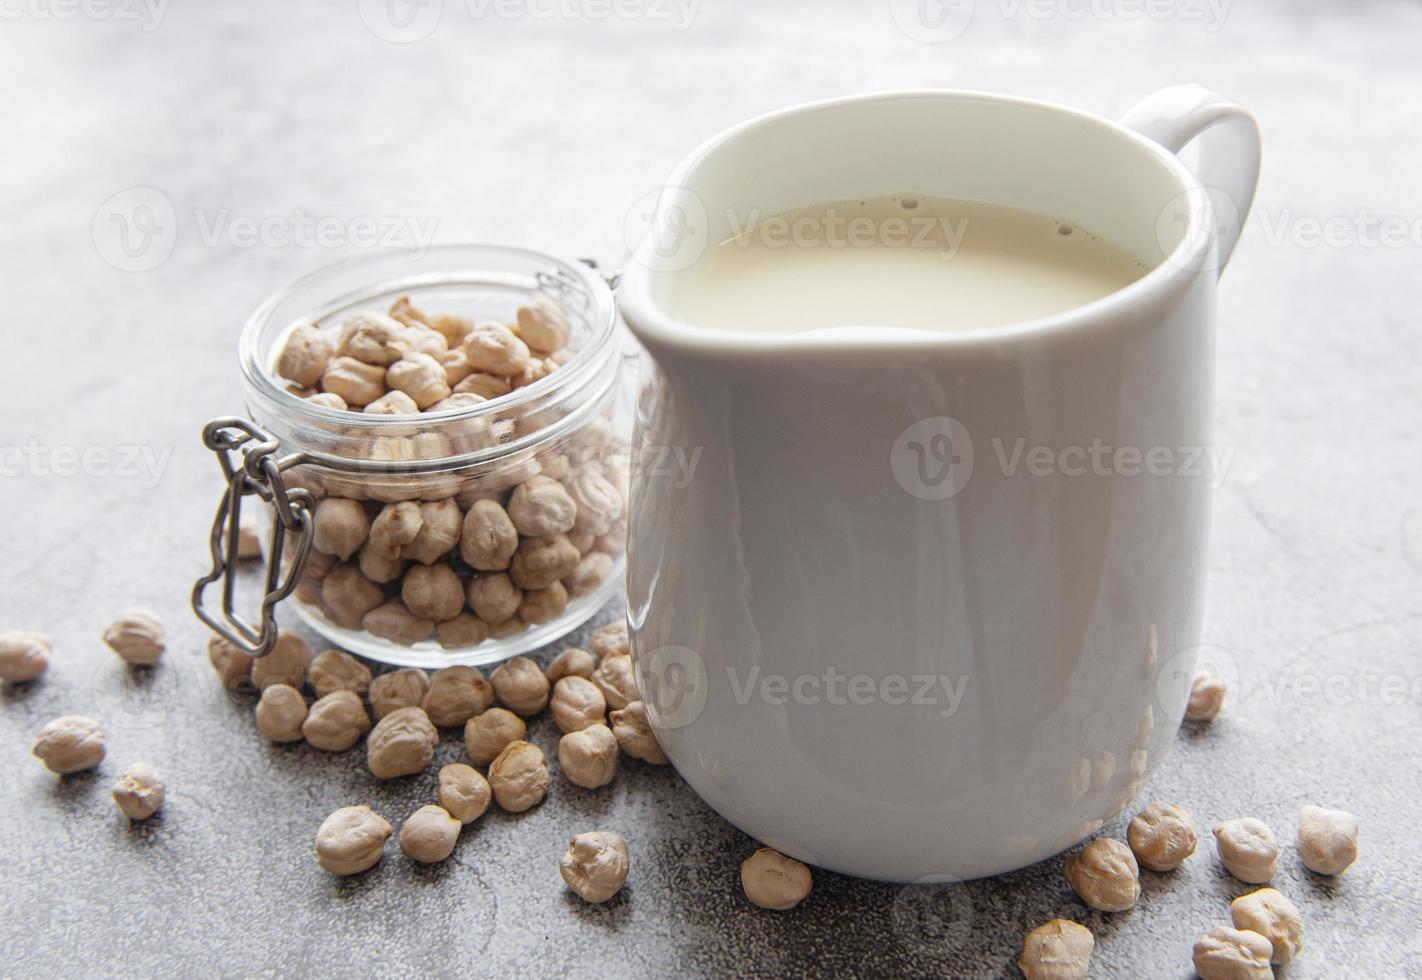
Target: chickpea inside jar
{"type": "Point", "coordinates": [438, 446]}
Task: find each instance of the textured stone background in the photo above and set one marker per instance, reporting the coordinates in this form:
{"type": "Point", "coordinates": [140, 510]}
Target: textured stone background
{"type": "Point", "coordinates": [547, 131]}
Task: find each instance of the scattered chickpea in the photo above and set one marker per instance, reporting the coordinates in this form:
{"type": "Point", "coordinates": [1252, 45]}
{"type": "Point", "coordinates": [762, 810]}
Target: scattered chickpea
{"type": "Point", "coordinates": [1161, 836]}
{"type": "Point", "coordinates": [488, 734]}
{"type": "Point", "coordinates": [1327, 839]}
{"type": "Point", "coordinates": [304, 357]}
{"type": "Point", "coordinates": [352, 840]}
{"type": "Point", "coordinates": [588, 757]}
{"type": "Point", "coordinates": [615, 678]}
{"type": "Point", "coordinates": [463, 792]}
{"type": "Point", "coordinates": [393, 621]}
{"type": "Point", "coordinates": [572, 662]}
{"type": "Point", "coordinates": [70, 743]}
{"type": "Point", "coordinates": [543, 326]}
{"type": "Point", "coordinates": [405, 688]}
{"type": "Point", "coordinates": [521, 686]}
{"type": "Point", "coordinates": [429, 835]}
{"type": "Point", "coordinates": [1272, 916]}
{"type": "Point", "coordinates": [233, 666]}
{"type": "Point", "coordinates": [774, 881]}
{"type": "Point", "coordinates": [139, 792]}
{"type": "Point", "coordinates": [1233, 954]}
{"type": "Point", "coordinates": [577, 704]}
{"type": "Point", "coordinates": [137, 637]}
{"type": "Point", "coordinates": [541, 506]}
{"type": "Point", "coordinates": [494, 597]}
{"type": "Point", "coordinates": [336, 670]}
{"type": "Point", "coordinates": [518, 777]}
{"type": "Point", "coordinates": [402, 744]}
{"type": "Point", "coordinates": [494, 348]}
{"type": "Point", "coordinates": [457, 694]}
{"type": "Point", "coordinates": [595, 865]}
{"type": "Point", "coordinates": [1056, 950]}
{"type": "Point", "coordinates": [464, 630]}
{"type": "Point", "coordinates": [1247, 849]}
{"type": "Point", "coordinates": [249, 540]}
{"type": "Point", "coordinates": [285, 664]}
{"type": "Point", "coordinates": [23, 656]}
{"type": "Point", "coordinates": [1105, 875]}
{"type": "Point", "coordinates": [341, 527]}
{"type": "Point", "coordinates": [280, 713]}
{"type": "Point", "coordinates": [634, 734]}
{"type": "Point", "coordinates": [419, 376]}
{"type": "Point", "coordinates": [348, 596]}
{"type": "Point", "coordinates": [336, 722]}
{"type": "Point", "coordinates": [611, 640]}
{"type": "Point", "coordinates": [1207, 698]}
{"type": "Point", "coordinates": [539, 562]}
{"type": "Point", "coordinates": [488, 538]}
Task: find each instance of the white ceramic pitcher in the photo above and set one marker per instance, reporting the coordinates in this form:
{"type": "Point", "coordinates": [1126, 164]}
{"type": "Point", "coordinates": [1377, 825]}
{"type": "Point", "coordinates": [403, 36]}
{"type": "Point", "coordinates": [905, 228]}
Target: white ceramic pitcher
{"type": "Point", "coordinates": [864, 635]}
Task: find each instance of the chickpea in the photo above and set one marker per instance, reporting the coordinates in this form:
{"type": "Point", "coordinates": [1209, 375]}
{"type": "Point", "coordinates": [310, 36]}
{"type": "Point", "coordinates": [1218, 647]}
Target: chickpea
{"type": "Point", "coordinates": [494, 348]}
{"type": "Point", "coordinates": [610, 640]}
{"type": "Point", "coordinates": [456, 368]}
{"type": "Point", "coordinates": [518, 777]}
{"type": "Point", "coordinates": [375, 339]}
{"type": "Point", "coordinates": [313, 577]}
{"type": "Point", "coordinates": [1057, 950]}
{"type": "Point", "coordinates": [595, 866]}
{"type": "Point", "coordinates": [488, 538]}
{"type": "Point", "coordinates": [336, 722]}
{"type": "Point", "coordinates": [634, 734]}
{"type": "Point", "coordinates": [1161, 836]}
{"type": "Point", "coordinates": [542, 605]}
{"type": "Point", "coordinates": [402, 744]}
{"type": "Point", "coordinates": [421, 377]}
{"type": "Point", "coordinates": [429, 835]}
{"type": "Point", "coordinates": [577, 704]}
{"type": "Point", "coordinates": [540, 506]}
{"type": "Point", "coordinates": [572, 662]}
{"type": "Point", "coordinates": [464, 630]}
{"type": "Point", "coordinates": [463, 792]}
{"type": "Point", "coordinates": [249, 540]}
{"type": "Point", "coordinates": [592, 571]}
{"type": "Point", "coordinates": [440, 528]}
{"type": "Point", "coordinates": [615, 678]}
{"type": "Point", "coordinates": [588, 757]}
{"type": "Point", "coordinates": [356, 383]}
{"type": "Point", "coordinates": [457, 694]}
{"type": "Point", "coordinates": [1272, 916]}
{"type": "Point", "coordinates": [336, 670]}
{"type": "Point", "coordinates": [488, 734]}
{"type": "Point", "coordinates": [1207, 698]}
{"type": "Point", "coordinates": [482, 383]}
{"type": "Point", "coordinates": [329, 399]}
{"type": "Point", "coordinates": [1327, 839]}
{"type": "Point", "coordinates": [392, 403]}
{"type": "Point", "coordinates": [341, 527]}
{"type": "Point", "coordinates": [494, 597]}
{"type": "Point", "coordinates": [304, 356]}
{"type": "Point", "coordinates": [285, 664]}
{"type": "Point", "coordinates": [1247, 849]}
{"type": "Point", "coordinates": [454, 328]}
{"type": "Point", "coordinates": [347, 595]}
{"type": "Point", "coordinates": [598, 502]}
{"type": "Point", "coordinates": [539, 562]}
{"type": "Point", "coordinates": [70, 743]}
{"type": "Point", "coordinates": [352, 840]}
{"type": "Point", "coordinates": [139, 792]}
{"type": "Point", "coordinates": [424, 340]}
{"type": "Point", "coordinates": [543, 326]}
{"type": "Point", "coordinates": [512, 626]}
{"type": "Point", "coordinates": [137, 637]}
{"type": "Point", "coordinates": [1233, 954]}
{"type": "Point", "coordinates": [521, 686]}
{"type": "Point", "coordinates": [233, 666]}
{"type": "Point", "coordinates": [393, 621]}
{"type": "Point", "coordinates": [398, 689]}
{"type": "Point", "coordinates": [407, 312]}
{"type": "Point", "coordinates": [1105, 875]}
{"type": "Point", "coordinates": [614, 542]}
{"type": "Point", "coordinates": [280, 713]}
{"type": "Point", "coordinates": [774, 881]}
{"type": "Point", "coordinates": [396, 527]}
{"type": "Point", "coordinates": [23, 656]}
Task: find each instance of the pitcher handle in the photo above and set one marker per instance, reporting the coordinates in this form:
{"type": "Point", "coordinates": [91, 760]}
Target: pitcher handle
{"type": "Point", "coordinates": [1229, 151]}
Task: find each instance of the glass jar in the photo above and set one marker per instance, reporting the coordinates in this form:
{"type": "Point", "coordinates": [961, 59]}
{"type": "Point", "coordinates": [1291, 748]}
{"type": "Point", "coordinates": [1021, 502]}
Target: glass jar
{"type": "Point", "coordinates": [341, 490]}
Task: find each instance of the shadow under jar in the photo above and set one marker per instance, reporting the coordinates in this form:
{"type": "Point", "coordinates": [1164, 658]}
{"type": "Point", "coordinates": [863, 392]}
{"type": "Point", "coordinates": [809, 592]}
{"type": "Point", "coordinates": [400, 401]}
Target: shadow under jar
{"type": "Point", "coordinates": [464, 533]}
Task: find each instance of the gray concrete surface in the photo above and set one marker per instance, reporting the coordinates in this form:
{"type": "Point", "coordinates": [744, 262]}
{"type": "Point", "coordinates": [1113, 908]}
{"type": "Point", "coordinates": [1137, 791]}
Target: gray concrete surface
{"type": "Point", "coordinates": [547, 131]}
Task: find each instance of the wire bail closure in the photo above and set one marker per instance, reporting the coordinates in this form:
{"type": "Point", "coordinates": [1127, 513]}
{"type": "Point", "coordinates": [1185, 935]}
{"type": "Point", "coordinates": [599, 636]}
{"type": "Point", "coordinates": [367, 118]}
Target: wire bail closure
{"type": "Point", "coordinates": [250, 467]}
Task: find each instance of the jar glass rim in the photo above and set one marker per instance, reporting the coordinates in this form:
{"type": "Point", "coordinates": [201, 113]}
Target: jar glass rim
{"type": "Point", "coordinates": [581, 368]}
